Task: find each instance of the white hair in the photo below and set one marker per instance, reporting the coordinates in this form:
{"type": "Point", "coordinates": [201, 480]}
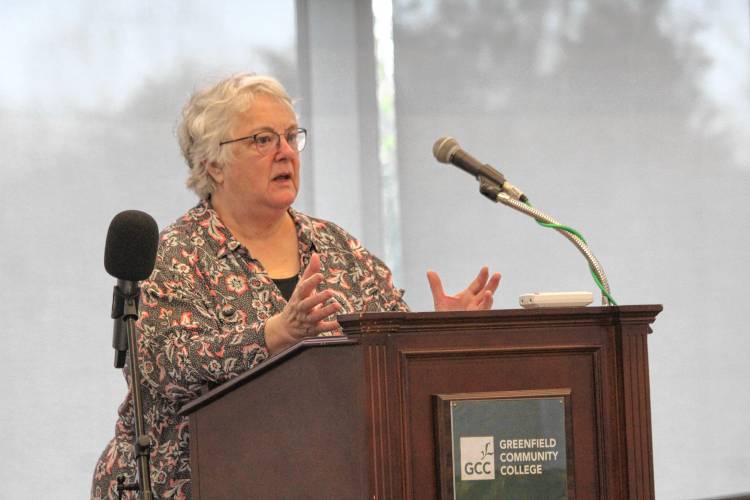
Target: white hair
{"type": "Point", "coordinates": [207, 119]}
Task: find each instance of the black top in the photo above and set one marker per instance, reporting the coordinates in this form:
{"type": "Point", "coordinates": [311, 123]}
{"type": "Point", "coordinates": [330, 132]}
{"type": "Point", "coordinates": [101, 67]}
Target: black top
{"type": "Point", "coordinates": [286, 286]}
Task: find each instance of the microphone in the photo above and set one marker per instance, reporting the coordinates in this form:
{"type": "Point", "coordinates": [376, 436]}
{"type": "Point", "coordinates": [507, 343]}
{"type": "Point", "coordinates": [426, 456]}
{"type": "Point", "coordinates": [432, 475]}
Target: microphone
{"type": "Point", "coordinates": [447, 150]}
{"type": "Point", "coordinates": [129, 256]}
{"type": "Point", "coordinates": [130, 251]}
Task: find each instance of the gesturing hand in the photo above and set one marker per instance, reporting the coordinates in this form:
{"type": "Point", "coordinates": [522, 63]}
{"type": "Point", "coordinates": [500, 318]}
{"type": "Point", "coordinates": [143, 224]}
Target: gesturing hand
{"type": "Point", "coordinates": [478, 295]}
{"type": "Point", "coordinates": [304, 313]}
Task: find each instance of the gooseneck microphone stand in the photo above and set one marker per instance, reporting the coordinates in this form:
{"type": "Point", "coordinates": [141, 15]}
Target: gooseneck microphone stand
{"type": "Point", "coordinates": [495, 193]}
{"type": "Point", "coordinates": [125, 314]}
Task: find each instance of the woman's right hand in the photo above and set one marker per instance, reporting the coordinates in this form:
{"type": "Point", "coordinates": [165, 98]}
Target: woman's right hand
{"type": "Point", "coordinates": [305, 312]}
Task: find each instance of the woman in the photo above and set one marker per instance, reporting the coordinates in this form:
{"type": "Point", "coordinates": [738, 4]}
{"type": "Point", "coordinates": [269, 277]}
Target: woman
{"type": "Point", "coordinates": [242, 275]}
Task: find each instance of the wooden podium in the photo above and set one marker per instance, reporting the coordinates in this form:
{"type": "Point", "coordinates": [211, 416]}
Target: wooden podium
{"type": "Point", "coordinates": [353, 417]}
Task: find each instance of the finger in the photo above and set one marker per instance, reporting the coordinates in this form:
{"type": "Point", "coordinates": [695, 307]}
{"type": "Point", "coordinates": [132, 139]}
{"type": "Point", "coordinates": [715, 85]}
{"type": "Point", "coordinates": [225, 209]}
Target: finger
{"type": "Point", "coordinates": [308, 304]}
{"type": "Point", "coordinates": [493, 283]}
{"type": "Point", "coordinates": [479, 303]}
{"type": "Point", "coordinates": [486, 302]}
{"type": "Point", "coordinates": [312, 267]}
{"type": "Point", "coordinates": [305, 287]}
{"type": "Point", "coordinates": [326, 326]}
{"type": "Point", "coordinates": [476, 286]}
{"type": "Point", "coordinates": [323, 312]}
{"type": "Point", "coordinates": [329, 305]}
{"type": "Point", "coordinates": [436, 286]}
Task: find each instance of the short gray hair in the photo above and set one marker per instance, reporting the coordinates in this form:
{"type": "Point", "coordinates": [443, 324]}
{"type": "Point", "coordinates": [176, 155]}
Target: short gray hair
{"type": "Point", "coordinates": [208, 117]}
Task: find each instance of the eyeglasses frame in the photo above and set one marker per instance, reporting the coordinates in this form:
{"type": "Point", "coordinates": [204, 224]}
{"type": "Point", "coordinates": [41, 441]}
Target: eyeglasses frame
{"type": "Point", "coordinates": [253, 136]}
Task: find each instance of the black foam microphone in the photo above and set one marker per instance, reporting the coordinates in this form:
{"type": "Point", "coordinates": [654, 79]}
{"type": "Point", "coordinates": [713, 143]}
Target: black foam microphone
{"type": "Point", "coordinates": [447, 150]}
{"type": "Point", "coordinates": [130, 251]}
{"type": "Point", "coordinates": [129, 256]}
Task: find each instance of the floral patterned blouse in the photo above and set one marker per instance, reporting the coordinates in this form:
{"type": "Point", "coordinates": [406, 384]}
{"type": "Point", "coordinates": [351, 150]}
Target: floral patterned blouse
{"type": "Point", "coordinates": [202, 319]}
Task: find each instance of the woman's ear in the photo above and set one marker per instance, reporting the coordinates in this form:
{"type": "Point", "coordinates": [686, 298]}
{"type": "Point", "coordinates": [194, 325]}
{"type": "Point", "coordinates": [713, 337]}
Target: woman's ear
{"type": "Point", "coordinates": [216, 172]}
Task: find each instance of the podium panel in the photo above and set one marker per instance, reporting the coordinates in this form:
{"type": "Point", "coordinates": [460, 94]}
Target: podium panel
{"type": "Point", "coordinates": [355, 417]}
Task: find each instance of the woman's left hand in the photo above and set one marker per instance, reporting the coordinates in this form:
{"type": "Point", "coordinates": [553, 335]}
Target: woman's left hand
{"type": "Point", "coordinates": [477, 296]}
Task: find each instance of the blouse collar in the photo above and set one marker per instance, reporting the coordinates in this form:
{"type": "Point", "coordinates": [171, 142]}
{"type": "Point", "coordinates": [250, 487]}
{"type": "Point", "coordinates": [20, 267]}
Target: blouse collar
{"type": "Point", "coordinates": [206, 216]}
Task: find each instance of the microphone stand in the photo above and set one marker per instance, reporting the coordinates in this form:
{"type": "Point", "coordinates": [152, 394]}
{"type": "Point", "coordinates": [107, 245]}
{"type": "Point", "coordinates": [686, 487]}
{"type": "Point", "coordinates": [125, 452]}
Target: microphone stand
{"type": "Point", "coordinates": [495, 193]}
{"type": "Point", "coordinates": [125, 314]}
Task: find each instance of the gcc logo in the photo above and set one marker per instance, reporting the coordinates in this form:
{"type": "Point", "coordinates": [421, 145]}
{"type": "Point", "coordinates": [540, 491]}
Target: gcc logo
{"type": "Point", "coordinates": [477, 458]}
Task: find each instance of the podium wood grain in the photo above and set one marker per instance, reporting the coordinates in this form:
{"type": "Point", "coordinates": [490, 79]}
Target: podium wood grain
{"type": "Point", "coordinates": [352, 417]}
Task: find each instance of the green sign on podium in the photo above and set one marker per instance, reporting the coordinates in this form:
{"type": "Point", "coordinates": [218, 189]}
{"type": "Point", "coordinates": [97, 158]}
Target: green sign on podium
{"type": "Point", "coordinates": [499, 445]}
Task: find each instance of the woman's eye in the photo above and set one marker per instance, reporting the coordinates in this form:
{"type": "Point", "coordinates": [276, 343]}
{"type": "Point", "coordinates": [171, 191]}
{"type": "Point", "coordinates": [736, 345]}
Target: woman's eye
{"type": "Point", "coordinates": [264, 139]}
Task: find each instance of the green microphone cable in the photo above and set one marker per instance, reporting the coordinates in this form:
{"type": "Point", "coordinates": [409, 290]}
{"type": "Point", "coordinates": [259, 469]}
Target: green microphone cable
{"type": "Point", "coordinates": [568, 229]}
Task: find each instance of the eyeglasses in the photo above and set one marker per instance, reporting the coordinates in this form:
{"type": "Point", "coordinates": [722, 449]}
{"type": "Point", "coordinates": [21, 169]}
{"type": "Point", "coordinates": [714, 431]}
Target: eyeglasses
{"type": "Point", "coordinates": [268, 141]}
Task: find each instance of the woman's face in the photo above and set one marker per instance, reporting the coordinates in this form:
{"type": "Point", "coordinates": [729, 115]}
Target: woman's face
{"type": "Point", "coordinates": [252, 181]}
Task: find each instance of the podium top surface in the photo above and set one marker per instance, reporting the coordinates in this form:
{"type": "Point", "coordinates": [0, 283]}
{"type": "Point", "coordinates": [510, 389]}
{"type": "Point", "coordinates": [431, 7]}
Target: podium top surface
{"type": "Point", "coordinates": [501, 316]}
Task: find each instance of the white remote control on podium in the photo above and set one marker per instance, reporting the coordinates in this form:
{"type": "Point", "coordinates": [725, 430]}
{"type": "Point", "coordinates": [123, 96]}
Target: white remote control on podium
{"type": "Point", "coordinates": [555, 299]}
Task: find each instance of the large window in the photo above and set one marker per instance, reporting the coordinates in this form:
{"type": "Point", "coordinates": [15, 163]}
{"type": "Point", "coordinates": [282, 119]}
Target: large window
{"type": "Point", "coordinates": [629, 120]}
{"type": "Point", "coordinates": [90, 95]}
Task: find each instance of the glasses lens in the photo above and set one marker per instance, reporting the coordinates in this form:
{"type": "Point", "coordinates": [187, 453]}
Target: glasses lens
{"type": "Point", "coordinates": [300, 138]}
{"type": "Point", "coordinates": [266, 141]}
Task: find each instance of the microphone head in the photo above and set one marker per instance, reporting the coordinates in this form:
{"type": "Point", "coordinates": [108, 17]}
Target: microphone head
{"type": "Point", "coordinates": [130, 251]}
{"type": "Point", "coordinates": [444, 149]}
